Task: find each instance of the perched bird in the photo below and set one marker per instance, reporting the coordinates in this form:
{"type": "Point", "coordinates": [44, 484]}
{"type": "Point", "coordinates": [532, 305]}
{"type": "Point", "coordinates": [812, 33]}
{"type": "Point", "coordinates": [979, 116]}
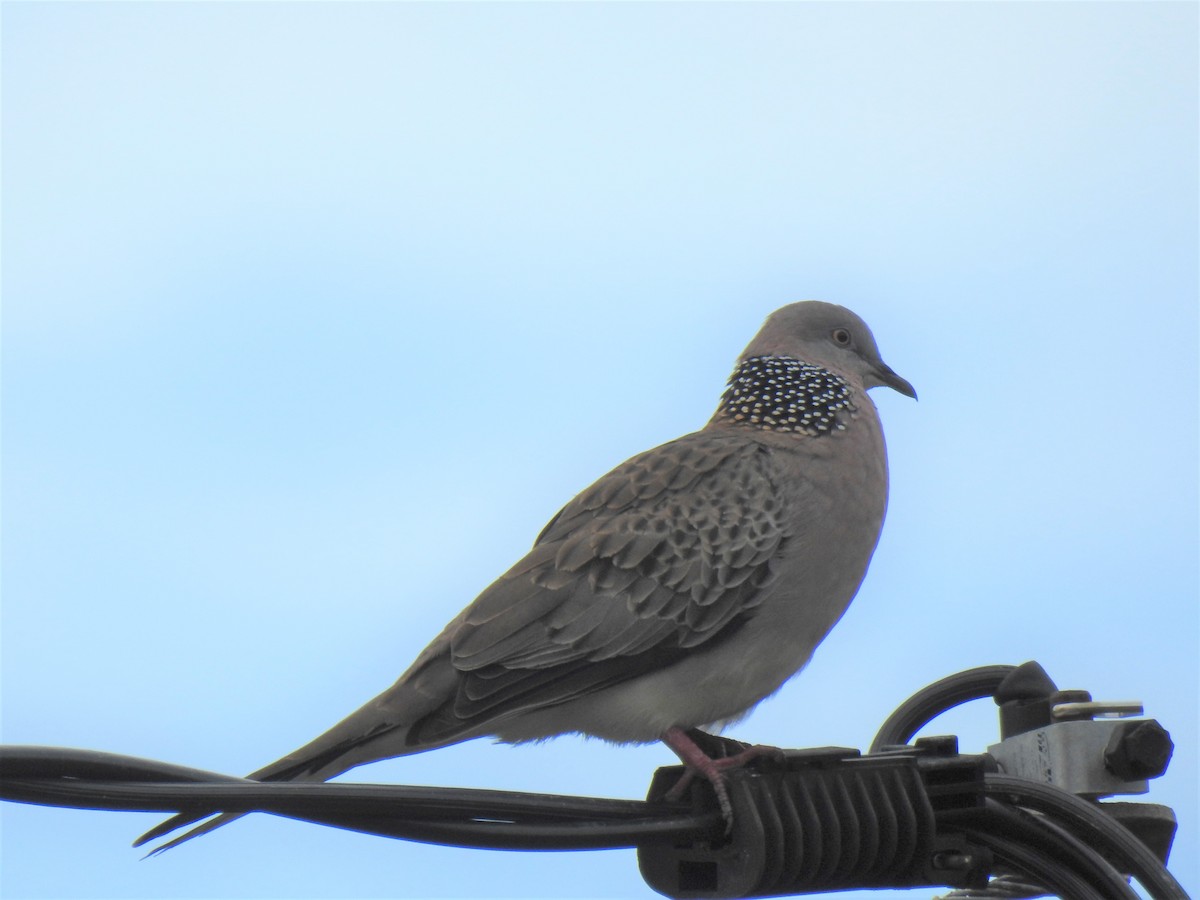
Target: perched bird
{"type": "Point", "coordinates": [678, 591]}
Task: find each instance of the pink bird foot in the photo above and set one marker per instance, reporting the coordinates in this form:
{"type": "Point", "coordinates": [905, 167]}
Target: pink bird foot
{"type": "Point", "coordinates": [713, 770]}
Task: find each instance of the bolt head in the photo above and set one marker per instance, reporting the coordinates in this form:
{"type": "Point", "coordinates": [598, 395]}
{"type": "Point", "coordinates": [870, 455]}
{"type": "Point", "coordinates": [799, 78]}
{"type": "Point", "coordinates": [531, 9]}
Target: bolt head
{"type": "Point", "coordinates": [1138, 750]}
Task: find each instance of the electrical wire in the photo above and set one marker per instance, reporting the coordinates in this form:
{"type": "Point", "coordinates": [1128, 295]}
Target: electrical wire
{"type": "Point", "coordinates": [1038, 834]}
{"type": "Point", "coordinates": [1067, 852]}
{"type": "Point", "coordinates": [459, 816]}
{"type": "Point", "coordinates": [1035, 863]}
{"type": "Point", "coordinates": [1092, 824]}
{"type": "Point", "coordinates": [931, 701]}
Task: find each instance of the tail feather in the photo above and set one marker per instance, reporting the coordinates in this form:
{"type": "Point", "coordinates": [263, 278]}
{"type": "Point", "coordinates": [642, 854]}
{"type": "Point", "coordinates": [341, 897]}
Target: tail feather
{"type": "Point", "coordinates": [378, 730]}
{"type": "Point", "coordinates": [302, 765]}
{"type": "Point", "coordinates": [274, 772]}
{"type": "Point", "coordinates": [180, 821]}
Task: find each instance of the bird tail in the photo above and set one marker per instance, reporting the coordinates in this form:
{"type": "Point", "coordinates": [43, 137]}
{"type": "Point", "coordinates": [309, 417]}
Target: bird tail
{"type": "Point", "coordinates": [378, 730]}
{"type": "Point", "coordinates": [328, 756]}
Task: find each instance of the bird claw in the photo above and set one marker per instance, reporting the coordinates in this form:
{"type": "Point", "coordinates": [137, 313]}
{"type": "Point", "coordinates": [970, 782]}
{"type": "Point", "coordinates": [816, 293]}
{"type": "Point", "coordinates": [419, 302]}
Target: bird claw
{"type": "Point", "coordinates": [713, 770]}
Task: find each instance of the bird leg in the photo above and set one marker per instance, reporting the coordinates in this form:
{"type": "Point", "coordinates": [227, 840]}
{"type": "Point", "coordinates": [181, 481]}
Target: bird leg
{"type": "Point", "coordinates": [700, 763]}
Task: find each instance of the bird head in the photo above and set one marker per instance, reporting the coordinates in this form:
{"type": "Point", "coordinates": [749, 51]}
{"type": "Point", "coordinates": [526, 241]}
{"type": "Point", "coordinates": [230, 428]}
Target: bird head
{"type": "Point", "coordinates": [827, 335]}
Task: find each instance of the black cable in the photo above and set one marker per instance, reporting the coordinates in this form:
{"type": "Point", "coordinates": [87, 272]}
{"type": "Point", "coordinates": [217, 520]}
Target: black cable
{"type": "Point", "coordinates": [32, 761]}
{"type": "Point", "coordinates": [1092, 824]}
{"type": "Point", "coordinates": [1037, 831]}
{"type": "Point", "coordinates": [933, 700]}
{"type": "Point", "coordinates": [461, 816]}
{"type": "Point", "coordinates": [478, 819]}
{"type": "Point", "coordinates": [1098, 865]}
{"type": "Point", "coordinates": [1034, 864]}
{"type": "Point", "coordinates": [1065, 849]}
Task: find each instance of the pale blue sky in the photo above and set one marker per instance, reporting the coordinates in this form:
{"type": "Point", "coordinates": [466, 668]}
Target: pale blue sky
{"type": "Point", "coordinates": [314, 314]}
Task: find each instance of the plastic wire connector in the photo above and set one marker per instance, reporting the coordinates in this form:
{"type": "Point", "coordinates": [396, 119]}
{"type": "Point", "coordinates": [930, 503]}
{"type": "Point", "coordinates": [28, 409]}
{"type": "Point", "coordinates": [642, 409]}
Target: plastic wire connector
{"type": "Point", "coordinates": [820, 821]}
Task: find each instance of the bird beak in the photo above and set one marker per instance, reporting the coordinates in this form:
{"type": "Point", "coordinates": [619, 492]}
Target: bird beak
{"type": "Point", "coordinates": [887, 378]}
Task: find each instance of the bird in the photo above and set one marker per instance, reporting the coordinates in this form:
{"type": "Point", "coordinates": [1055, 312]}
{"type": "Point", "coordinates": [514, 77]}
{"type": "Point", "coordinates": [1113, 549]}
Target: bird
{"type": "Point", "coordinates": [673, 594]}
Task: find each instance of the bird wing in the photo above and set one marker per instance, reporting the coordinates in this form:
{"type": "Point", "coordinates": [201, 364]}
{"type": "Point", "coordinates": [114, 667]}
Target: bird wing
{"type": "Point", "coordinates": [670, 551]}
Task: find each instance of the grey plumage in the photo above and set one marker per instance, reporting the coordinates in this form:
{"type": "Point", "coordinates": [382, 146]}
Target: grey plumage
{"type": "Point", "coordinates": [677, 591]}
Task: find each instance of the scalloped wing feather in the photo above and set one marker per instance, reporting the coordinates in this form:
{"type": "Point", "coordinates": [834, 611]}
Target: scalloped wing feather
{"type": "Point", "coordinates": [667, 552]}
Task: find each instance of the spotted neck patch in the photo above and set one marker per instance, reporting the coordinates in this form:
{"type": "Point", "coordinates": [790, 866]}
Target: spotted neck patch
{"type": "Point", "coordinates": [778, 393]}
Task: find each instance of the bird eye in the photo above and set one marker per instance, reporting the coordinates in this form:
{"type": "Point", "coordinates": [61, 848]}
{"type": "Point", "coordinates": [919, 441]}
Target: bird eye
{"type": "Point", "coordinates": [841, 336]}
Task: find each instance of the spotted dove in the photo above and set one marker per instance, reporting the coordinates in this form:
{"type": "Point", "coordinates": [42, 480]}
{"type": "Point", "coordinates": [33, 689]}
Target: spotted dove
{"type": "Point", "coordinates": [678, 591]}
